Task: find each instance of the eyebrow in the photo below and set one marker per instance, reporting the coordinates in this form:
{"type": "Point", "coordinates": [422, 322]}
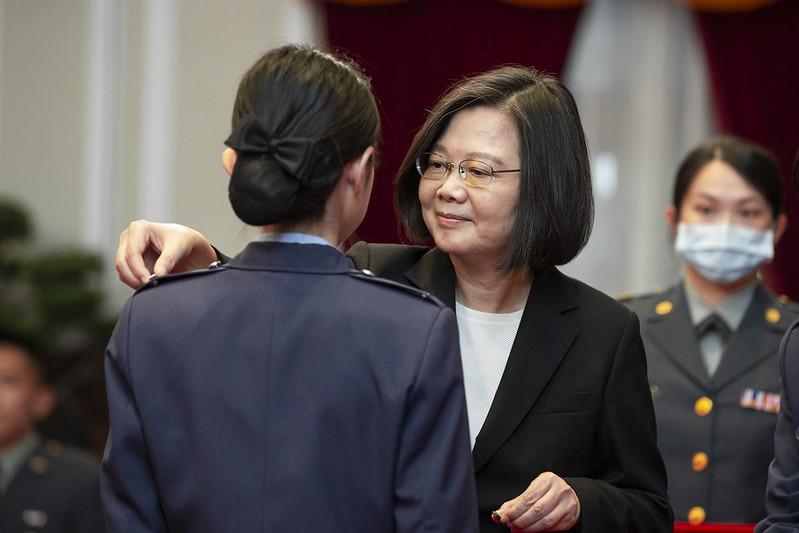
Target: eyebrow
{"type": "Point", "coordinates": [480, 156]}
{"type": "Point", "coordinates": [744, 200]}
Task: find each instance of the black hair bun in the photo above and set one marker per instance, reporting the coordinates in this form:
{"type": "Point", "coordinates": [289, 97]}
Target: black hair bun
{"type": "Point", "coordinates": [261, 192]}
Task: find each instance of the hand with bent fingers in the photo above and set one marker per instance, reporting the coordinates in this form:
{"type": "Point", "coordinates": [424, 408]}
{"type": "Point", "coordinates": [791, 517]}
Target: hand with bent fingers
{"type": "Point", "coordinates": [147, 248]}
{"type": "Point", "coordinates": [548, 504]}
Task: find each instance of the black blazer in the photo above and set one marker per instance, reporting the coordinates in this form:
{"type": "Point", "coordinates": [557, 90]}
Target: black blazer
{"type": "Point", "coordinates": [573, 399]}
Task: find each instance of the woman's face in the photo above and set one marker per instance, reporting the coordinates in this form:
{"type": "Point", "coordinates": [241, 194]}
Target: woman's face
{"type": "Point", "coordinates": [719, 194]}
{"type": "Point", "coordinates": [469, 222]}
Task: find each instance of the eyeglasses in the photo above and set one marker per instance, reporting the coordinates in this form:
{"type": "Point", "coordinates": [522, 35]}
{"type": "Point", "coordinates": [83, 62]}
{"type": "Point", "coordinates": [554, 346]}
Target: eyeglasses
{"type": "Point", "coordinates": [433, 166]}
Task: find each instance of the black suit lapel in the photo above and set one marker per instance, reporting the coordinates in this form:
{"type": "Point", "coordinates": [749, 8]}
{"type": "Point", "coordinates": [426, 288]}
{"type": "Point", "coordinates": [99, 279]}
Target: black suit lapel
{"type": "Point", "coordinates": [546, 332]}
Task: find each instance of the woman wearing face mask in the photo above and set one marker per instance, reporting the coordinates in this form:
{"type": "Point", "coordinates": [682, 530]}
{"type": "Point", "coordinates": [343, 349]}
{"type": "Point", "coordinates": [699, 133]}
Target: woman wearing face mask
{"type": "Point", "coordinates": [712, 339]}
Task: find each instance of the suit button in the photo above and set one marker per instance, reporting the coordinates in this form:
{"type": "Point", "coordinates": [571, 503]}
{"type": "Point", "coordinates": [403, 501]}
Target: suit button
{"type": "Point", "coordinates": [696, 516]}
{"type": "Point", "coordinates": [39, 464]}
{"type": "Point", "coordinates": [699, 461]}
{"type": "Point", "coordinates": [703, 406]}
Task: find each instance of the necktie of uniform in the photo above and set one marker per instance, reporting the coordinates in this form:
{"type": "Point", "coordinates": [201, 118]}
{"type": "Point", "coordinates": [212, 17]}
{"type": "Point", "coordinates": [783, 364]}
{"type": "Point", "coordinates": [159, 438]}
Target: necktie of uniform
{"type": "Point", "coordinates": [713, 335]}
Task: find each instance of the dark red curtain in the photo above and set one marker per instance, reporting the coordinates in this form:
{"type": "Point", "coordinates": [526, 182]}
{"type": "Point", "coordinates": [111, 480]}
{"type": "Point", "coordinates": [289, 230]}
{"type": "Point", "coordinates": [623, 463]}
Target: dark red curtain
{"type": "Point", "coordinates": [753, 58]}
{"type": "Point", "coordinates": [414, 50]}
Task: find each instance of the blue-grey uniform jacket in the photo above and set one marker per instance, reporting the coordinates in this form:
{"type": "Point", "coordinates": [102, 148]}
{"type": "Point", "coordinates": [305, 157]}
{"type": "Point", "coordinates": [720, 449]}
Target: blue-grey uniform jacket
{"type": "Point", "coordinates": [782, 496]}
{"type": "Point", "coordinates": [286, 392]}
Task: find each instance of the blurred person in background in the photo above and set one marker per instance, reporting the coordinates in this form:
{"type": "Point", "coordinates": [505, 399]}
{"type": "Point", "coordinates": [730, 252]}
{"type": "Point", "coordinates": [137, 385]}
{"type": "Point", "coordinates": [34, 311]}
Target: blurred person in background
{"type": "Point", "coordinates": [44, 485]}
{"type": "Point", "coordinates": [712, 338]}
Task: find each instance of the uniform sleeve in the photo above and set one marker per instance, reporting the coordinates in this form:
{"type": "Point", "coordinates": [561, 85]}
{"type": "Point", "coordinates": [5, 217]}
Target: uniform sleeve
{"type": "Point", "coordinates": [435, 487]}
{"type": "Point", "coordinates": [87, 510]}
{"type": "Point", "coordinates": [129, 493]}
{"type": "Point", "coordinates": [628, 490]}
{"type": "Point", "coordinates": [782, 492]}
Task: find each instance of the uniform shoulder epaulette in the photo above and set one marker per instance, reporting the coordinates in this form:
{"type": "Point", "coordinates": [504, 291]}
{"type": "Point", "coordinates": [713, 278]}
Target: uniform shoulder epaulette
{"type": "Point", "coordinates": [791, 305]}
{"type": "Point", "coordinates": [630, 296]}
{"type": "Point", "coordinates": [155, 281]}
{"type": "Point", "coordinates": [368, 275]}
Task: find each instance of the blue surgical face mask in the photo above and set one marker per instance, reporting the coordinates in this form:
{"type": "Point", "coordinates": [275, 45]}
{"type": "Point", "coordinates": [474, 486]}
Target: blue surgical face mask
{"type": "Point", "coordinates": [723, 253]}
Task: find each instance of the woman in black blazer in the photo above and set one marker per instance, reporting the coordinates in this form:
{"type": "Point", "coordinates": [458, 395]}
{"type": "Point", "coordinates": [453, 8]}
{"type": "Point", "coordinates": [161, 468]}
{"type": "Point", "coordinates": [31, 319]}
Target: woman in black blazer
{"type": "Point", "coordinates": [560, 412]}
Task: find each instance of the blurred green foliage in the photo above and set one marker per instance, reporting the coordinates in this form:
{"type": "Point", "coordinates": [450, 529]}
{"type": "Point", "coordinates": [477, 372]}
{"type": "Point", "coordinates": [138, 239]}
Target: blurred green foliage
{"type": "Point", "coordinates": [54, 300]}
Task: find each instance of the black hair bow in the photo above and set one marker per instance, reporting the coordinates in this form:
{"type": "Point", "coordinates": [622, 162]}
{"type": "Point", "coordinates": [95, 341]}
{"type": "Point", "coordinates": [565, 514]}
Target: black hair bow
{"type": "Point", "coordinates": [294, 154]}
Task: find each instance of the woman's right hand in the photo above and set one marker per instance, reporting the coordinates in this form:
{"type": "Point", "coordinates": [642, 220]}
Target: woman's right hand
{"type": "Point", "coordinates": [147, 248]}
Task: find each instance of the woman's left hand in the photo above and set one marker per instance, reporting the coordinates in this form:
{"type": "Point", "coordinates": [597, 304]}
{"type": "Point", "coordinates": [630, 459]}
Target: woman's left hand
{"type": "Point", "coordinates": [548, 504]}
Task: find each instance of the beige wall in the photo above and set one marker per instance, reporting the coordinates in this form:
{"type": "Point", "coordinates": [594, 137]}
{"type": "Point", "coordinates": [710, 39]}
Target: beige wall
{"type": "Point", "coordinates": [112, 110]}
{"type": "Point", "coordinates": [43, 68]}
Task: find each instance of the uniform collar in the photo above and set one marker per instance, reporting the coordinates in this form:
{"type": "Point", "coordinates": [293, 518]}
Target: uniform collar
{"type": "Point", "coordinates": [291, 257]}
{"type": "Point", "coordinates": [12, 460]}
{"type": "Point", "coordinates": [732, 310]}
{"type": "Point", "coordinates": [296, 238]}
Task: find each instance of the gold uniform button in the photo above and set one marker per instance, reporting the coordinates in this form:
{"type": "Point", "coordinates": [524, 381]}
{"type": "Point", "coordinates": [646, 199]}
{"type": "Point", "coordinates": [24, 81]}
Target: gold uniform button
{"type": "Point", "coordinates": [38, 464]}
{"type": "Point", "coordinates": [696, 516]}
{"type": "Point", "coordinates": [772, 315]}
{"type": "Point", "coordinates": [664, 307]}
{"type": "Point", "coordinates": [699, 461]}
{"type": "Point", "coordinates": [703, 406]}
{"type": "Point", "coordinates": [54, 447]}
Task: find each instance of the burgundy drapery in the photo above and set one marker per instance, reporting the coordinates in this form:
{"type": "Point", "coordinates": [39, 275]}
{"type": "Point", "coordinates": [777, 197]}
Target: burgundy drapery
{"type": "Point", "coordinates": [753, 58]}
{"type": "Point", "coordinates": [415, 49]}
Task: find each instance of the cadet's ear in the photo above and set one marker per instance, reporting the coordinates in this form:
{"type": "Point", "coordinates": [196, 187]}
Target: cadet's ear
{"type": "Point", "coordinates": [359, 172]}
{"type": "Point", "coordinates": [229, 160]}
{"type": "Point", "coordinates": [780, 225]}
{"type": "Point", "coordinates": [43, 402]}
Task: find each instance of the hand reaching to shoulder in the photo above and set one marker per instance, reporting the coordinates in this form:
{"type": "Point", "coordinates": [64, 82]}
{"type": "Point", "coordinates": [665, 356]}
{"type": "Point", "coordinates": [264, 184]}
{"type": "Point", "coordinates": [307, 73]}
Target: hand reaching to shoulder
{"type": "Point", "coordinates": [548, 504]}
{"type": "Point", "coordinates": [147, 248]}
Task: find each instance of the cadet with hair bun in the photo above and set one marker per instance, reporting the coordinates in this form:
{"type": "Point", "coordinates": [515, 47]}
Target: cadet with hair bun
{"type": "Point", "coordinates": [284, 390]}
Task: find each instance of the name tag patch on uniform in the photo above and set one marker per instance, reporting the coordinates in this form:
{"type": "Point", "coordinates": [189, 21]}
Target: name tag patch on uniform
{"type": "Point", "coordinates": [759, 400]}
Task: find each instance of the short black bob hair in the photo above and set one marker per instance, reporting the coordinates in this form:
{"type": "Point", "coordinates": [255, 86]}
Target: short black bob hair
{"type": "Point", "coordinates": [755, 163]}
{"type": "Point", "coordinates": [555, 209]}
